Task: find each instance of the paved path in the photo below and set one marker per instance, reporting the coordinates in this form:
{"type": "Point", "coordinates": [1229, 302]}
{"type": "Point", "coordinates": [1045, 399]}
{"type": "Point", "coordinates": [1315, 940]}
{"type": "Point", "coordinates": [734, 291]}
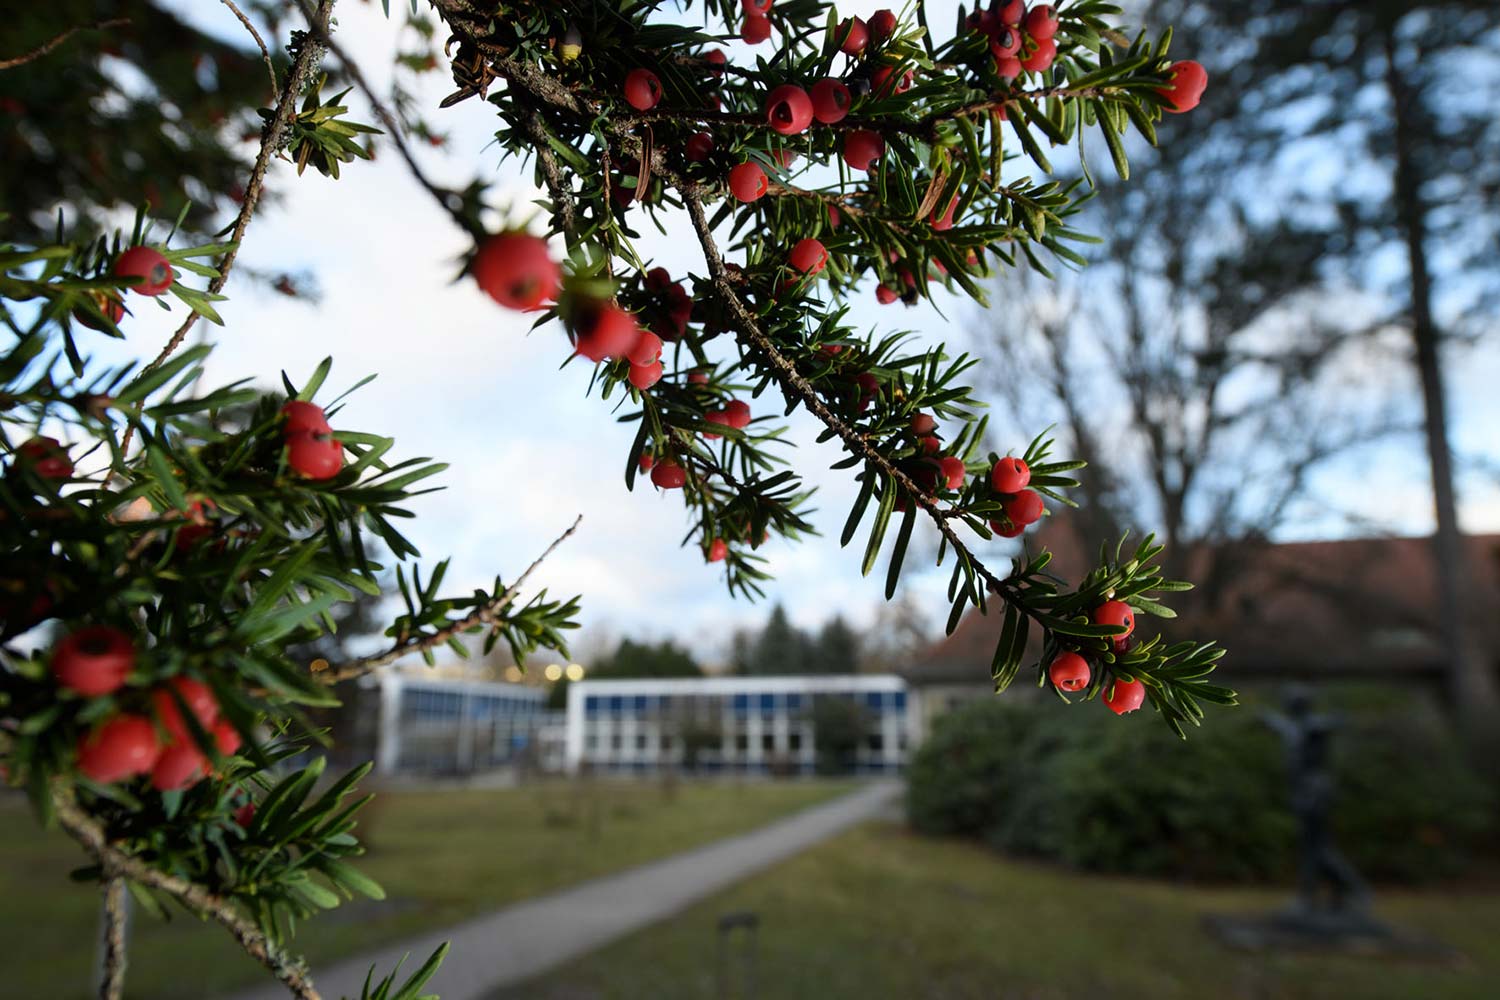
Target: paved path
{"type": "Point", "coordinates": [521, 941]}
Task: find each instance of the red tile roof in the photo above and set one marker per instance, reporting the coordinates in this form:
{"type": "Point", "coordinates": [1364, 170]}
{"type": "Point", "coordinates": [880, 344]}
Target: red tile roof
{"type": "Point", "coordinates": [1350, 606]}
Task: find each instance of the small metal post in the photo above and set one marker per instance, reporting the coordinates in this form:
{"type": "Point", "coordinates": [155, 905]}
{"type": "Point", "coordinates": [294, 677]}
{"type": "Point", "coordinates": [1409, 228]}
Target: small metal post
{"type": "Point", "coordinates": [728, 923]}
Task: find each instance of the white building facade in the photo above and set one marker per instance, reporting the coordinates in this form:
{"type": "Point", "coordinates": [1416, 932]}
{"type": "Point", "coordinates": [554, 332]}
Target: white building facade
{"type": "Point", "coordinates": [431, 725]}
{"type": "Point", "coordinates": [739, 724]}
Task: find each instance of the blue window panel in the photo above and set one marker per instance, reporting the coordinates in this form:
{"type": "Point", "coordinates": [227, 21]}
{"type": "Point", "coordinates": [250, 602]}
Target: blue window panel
{"type": "Point", "coordinates": [616, 704]}
{"type": "Point", "coordinates": [899, 701]}
{"type": "Point", "coordinates": [793, 702]}
{"type": "Point", "coordinates": [872, 700]}
{"type": "Point", "coordinates": [640, 703]}
{"type": "Point", "coordinates": [591, 704]}
{"type": "Point", "coordinates": [741, 703]}
{"type": "Point", "coordinates": [768, 703]}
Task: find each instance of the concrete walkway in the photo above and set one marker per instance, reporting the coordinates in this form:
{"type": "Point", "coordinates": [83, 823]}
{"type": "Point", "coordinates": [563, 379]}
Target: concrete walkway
{"type": "Point", "coordinates": [521, 941]}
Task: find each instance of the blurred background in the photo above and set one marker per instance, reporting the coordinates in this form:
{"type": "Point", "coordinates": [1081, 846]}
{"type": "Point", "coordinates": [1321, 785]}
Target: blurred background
{"type": "Point", "coordinates": [1281, 359]}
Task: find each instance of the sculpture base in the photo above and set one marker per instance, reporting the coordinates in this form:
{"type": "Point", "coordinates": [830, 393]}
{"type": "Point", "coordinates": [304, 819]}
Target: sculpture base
{"type": "Point", "coordinates": [1345, 932]}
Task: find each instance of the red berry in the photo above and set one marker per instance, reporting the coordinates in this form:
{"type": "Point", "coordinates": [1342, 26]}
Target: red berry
{"type": "Point", "coordinates": [1069, 672]}
{"type": "Point", "coordinates": [761, 7]}
{"type": "Point", "coordinates": [120, 748]}
{"type": "Point", "coordinates": [314, 456]}
{"type": "Point", "coordinates": [886, 83]}
{"type": "Point", "coordinates": [226, 737]}
{"type": "Point", "coordinates": [516, 270]}
{"type": "Point", "coordinates": [46, 457]}
{"type": "Point", "coordinates": [954, 469]}
{"type": "Point", "coordinates": [831, 100]}
{"type": "Point", "coordinates": [304, 418]}
{"type": "Point", "coordinates": [716, 417]}
{"type": "Point", "coordinates": [882, 25]}
{"type": "Point", "coordinates": [148, 265]}
{"type": "Point", "coordinates": [657, 279]}
{"type": "Point", "coordinates": [1013, 12]}
{"type": "Point", "coordinates": [180, 765]}
{"type": "Point", "coordinates": [1124, 696]}
{"type": "Point", "coordinates": [1185, 86]}
{"type": "Point", "coordinates": [245, 815]}
{"type": "Point", "coordinates": [1006, 529]}
{"type": "Point", "coordinates": [931, 444]}
{"type": "Point", "coordinates": [642, 89]}
{"type": "Point", "coordinates": [645, 462]}
{"type": "Point", "coordinates": [885, 294]}
{"type": "Point", "coordinates": [94, 660]}
{"type": "Point", "coordinates": [944, 222]}
{"type": "Point", "coordinates": [1008, 67]}
{"type": "Point", "coordinates": [698, 147]}
{"type": "Point", "coordinates": [784, 158]}
{"type": "Point", "coordinates": [697, 378]}
{"type": "Point", "coordinates": [606, 331]}
{"type": "Point", "coordinates": [1024, 508]}
{"type": "Point", "coordinates": [755, 30]}
{"type": "Point", "coordinates": [199, 699]}
{"type": "Point", "coordinates": [1005, 43]}
{"type": "Point", "coordinates": [109, 304]}
{"type": "Point", "coordinates": [717, 550]}
{"type": "Point", "coordinates": [716, 60]}
{"type": "Point", "coordinates": [869, 389]}
{"type": "Point", "coordinates": [1010, 475]}
{"type": "Point", "coordinates": [788, 109]}
{"type": "Point", "coordinates": [855, 35]}
{"type": "Point", "coordinates": [737, 414]}
{"type": "Point", "coordinates": [747, 182]}
{"type": "Point", "coordinates": [862, 148]}
{"type": "Point", "coordinates": [668, 475]}
{"type": "Point", "coordinates": [1041, 22]}
{"type": "Point", "coordinates": [1041, 58]}
{"type": "Point", "coordinates": [646, 350]}
{"type": "Point", "coordinates": [644, 377]}
{"type": "Point", "coordinates": [834, 218]}
{"type": "Point", "coordinates": [808, 256]}
{"type": "Point", "coordinates": [1115, 613]}
{"type": "Point", "coordinates": [923, 424]}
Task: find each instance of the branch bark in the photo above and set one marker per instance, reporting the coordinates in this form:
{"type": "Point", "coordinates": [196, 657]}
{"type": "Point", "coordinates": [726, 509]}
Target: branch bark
{"type": "Point", "coordinates": [485, 615]}
{"type": "Point", "coordinates": [113, 953]}
{"type": "Point", "coordinates": [118, 865]}
{"type": "Point", "coordinates": [52, 43]}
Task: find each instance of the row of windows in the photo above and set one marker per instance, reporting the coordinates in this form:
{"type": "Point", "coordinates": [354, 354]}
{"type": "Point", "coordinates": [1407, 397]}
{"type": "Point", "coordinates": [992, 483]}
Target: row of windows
{"type": "Point", "coordinates": [739, 704]}
{"type": "Point", "coordinates": [666, 743]}
{"type": "Point", "coordinates": [746, 766]}
{"type": "Point", "coordinates": [420, 704]}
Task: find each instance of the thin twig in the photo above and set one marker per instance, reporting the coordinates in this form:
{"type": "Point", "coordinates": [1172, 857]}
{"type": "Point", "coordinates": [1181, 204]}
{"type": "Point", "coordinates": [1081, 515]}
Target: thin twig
{"type": "Point", "coordinates": [112, 978]}
{"type": "Point", "coordinates": [286, 109]}
{"type": "Point", "coordinates": [117, 865]}
{"type": "Point", "coordinates": [485, 615]}
{"type": "Point", "coordinates": [265, 53]}
{"type": "Point", "coordinates": [393, 127]}
{"type": "Point", "coordinates": [48, 46]}
{"type": "Point", "coordinates": [793, 384]}
{"type": "Point", "coordinates": [567, 210]}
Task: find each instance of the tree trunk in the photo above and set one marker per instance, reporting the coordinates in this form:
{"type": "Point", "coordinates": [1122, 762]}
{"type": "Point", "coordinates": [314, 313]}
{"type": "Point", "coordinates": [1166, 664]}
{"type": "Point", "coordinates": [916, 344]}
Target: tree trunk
{"type": "Point", "coordinates": [1471, 677]}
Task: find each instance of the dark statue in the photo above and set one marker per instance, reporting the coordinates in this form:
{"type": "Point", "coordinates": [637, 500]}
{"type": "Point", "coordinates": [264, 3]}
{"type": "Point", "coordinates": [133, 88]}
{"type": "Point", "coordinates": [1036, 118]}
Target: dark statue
{"type": "Point", "coordinates": [1307, 736]}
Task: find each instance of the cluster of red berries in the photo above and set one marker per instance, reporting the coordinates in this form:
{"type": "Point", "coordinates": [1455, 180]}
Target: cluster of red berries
{"type": "Point", "coordinates": [1069, 671]}
{"type": "Point", "coordinates": [96, 661]}
{"type": "Point", "coordinates": [756, 27]}
{"type": "Point", "coordinates": [1022, 506]}
{"type": "Point", "coordinates": [311, 449]}
{"type": "Point", "coordinates": [736, 414]}
{"type": "Point", "coordinates": [1020, 40]}
{"type": "Point", "coordinates": [931, 469]}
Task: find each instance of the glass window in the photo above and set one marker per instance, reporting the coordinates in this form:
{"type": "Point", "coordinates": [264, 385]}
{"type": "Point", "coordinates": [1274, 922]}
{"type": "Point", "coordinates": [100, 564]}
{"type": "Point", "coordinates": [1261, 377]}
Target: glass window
{"type": "Point", "coordinates": [793, 702]}
{"type": "Point", "coordinates": [768, 742]}
{"type": "Point", "coordinates": [741, 704]}
{"type": "Point", "coordinates": [768, 703]}
{"type": "Point", "coordinates": [616, 704]}
{"type": "Point", "coordinates": [640, 741]}
{"type": "Point", "coordinates": [873, 700]}
{"type": "Point", "coordinates": [742, 742]}
{"type": "Point", "coordinates": [899, 701]}
{"type": "Point", "coordinates": [591, 704]}
{"type": "Point", "coordinates": [794, 741]}
{"type": "Point", "coordinates": [640, 703]}
{"type": "Point", "coordinates": [875, 742]}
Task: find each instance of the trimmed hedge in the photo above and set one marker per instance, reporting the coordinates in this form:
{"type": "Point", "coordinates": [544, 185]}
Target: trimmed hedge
{"type": "Point", "coordinates": [1096, 792]}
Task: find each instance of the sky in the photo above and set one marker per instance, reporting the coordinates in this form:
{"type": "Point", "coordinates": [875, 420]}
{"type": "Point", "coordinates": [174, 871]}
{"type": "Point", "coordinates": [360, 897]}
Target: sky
{"type": "Point", "coordinates": [462, 380]}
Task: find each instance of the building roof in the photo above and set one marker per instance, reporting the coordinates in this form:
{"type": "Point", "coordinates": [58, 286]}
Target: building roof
{"type": "Point", "coordinates": [1349, 607]}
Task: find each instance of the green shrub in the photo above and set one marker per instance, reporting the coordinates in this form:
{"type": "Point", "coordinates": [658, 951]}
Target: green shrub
{"type": "Point", "coordinates": [1096, 792]}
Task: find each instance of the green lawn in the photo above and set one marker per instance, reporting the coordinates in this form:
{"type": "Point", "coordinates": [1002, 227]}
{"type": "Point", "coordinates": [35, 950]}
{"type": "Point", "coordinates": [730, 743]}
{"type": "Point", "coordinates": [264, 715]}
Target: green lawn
{"type": "Point", "coordinates": [879, 913]}
{"type": "Point", "coordinates": [442, 856]}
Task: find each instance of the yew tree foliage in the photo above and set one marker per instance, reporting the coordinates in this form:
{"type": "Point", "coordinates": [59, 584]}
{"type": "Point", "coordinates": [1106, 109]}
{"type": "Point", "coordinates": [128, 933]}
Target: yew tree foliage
{"type": "Point", "coordinates": [203, 533]}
